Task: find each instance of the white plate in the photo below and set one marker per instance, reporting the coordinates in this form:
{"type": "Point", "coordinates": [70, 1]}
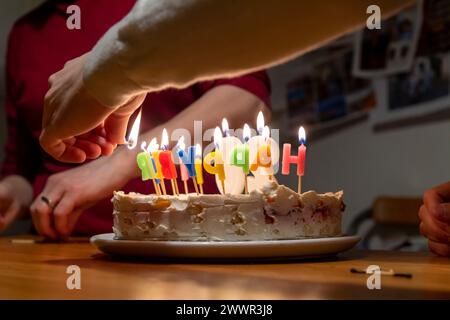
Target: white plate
{"type": "Point", "coordinates": [237, 250]}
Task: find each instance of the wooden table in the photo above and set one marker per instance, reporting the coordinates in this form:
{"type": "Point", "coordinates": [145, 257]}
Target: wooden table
{"type": "Point", "coordinates": [38, 271]}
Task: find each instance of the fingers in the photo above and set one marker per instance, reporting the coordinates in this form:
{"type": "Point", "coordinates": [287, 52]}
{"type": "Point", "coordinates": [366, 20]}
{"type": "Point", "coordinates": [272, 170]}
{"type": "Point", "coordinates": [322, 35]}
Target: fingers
{"type": "Point", "coordinates": [61, 149]}
{"type": "Point", "coordinates": [91, 150]}
{"type": "Point", "coordinates": [42, 213]}
{"type": "Point", "coordinates": [116, 124]}
{"type": "Point", "coordinates": [441, 249]}
{"type": "Point", "coordinates": [62, 213]}
{"type": "Point", "coordinates": [97, 137]}
{"type": "Point", "coordinates": [436, 201]}
{"type": "Point", "coordinates": [433, 228]}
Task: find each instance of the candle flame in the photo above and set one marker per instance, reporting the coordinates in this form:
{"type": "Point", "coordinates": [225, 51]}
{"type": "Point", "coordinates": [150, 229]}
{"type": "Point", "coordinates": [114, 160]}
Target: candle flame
{"type": "Point", "coordinates": [134, 132]}
{"type": "Point", "coordinates": [153, 146]}
{"type": "Point", "coordinates": [302, 135]}
{"type": "Point", "coordinates": [198, 151]}
{"type": "Point", "coordinates": [260, 122]}
{"type": "Point", "coordinates": [143, 145]}
{"type": "Point", "coordinates": [165, 140]}
{"type": "Point", "coordinates": [247, 133]}
{"type": "Point", "coordinates": [266, 132]}
{"type": "Point", "coordinates": [217, 136]}
{"type": "Point", "coordinates": [225, 127]}
{"type": "Point", "coordinates": [181, 145]}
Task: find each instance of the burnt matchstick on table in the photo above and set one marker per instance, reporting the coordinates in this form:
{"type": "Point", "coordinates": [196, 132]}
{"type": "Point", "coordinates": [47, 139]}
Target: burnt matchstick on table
{"type": "Point", "coordinates": [389, 272]}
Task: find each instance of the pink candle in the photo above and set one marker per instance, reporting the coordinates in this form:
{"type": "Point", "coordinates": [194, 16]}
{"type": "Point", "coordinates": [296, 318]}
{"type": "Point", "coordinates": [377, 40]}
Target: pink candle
{"type": "Point", "coordinates": [184, 172]}
{"type": "Point", "coordinates": [299, 159]}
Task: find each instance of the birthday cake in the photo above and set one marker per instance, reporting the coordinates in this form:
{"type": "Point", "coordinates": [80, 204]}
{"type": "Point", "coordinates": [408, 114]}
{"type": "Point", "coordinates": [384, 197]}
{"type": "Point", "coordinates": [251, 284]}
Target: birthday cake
{"type": "Point", "coordinates": [272, 212]}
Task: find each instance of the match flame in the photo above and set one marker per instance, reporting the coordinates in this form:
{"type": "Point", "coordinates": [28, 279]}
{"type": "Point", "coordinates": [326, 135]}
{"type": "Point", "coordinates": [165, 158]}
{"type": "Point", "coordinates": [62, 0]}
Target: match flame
{"type": "Point", "coordinates": [134, 133]}
{"type": "Point", "coordinates": [165, 140]}
{"type": "Point", "coordinates": [247, 133]}
{"type": "Point", "coordinates": [260, 122]}
{"type": "Point", "coordinates": [198, 151]}
{"type": "Point", "coordinates": [217, 137]}
{"type": "Point", "coordinates": [266, 132]}
{"type": "Point", "coordinates": [153, 146]}
{"type": "Point", "coordinates": [302, 135]}
{"type": "Point", "coordinates": [225, 127]}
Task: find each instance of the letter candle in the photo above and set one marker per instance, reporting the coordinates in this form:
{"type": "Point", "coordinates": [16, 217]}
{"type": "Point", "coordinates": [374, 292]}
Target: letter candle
{"type": "Point", "coordinates": [169, 171]}
{"type": "Point", "coordinates": [188, 160]}
{"type": "Point", "coordinates": [216, 157]}
{"type": "Point", "coordinates": [240, 155]}
{"type": "Point", "coordinates": [145, 164]}
{"type": "Point", "coordinates": [184, 176]}
{"type": "Point", "coordinates": [263, 154]}
{"type": "Point", "coordinates": [199, 166]}
{"type": "Point", "coordinates": [153, 146]}
{"type": "Point", "coordinates": [159, 174]}
{"type": "Point", "coordinates": [299, 160]}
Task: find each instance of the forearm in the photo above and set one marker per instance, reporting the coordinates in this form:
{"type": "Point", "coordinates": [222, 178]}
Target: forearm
{"type": "Point", "coordinates": [225, 101]}
{"type": "Point", "coordinates": [21, 187]}
{"type": "Point", "coordinates": [177, 42]}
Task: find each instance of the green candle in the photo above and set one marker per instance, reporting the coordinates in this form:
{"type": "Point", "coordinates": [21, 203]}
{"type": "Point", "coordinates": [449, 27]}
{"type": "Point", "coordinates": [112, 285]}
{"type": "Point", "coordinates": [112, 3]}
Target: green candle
{"type": "Point", "coordinates": [240, 157]}
{"type": "Point", "coordinates": [145, 164]}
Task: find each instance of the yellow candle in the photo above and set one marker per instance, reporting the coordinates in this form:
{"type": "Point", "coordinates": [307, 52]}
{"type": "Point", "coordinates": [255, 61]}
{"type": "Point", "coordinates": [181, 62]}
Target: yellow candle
{"type": "Point", "coordinates": [263, 153]}
{"type": "Point", "coordinates": [216, 156]}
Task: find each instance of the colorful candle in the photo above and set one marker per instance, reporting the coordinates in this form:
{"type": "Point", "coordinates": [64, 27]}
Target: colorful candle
{"type": "Point", "coordinates": [299, 159]}
{"type": "Point", "coordinates": [263, 153]}
{"type": "Point", "coordinates": [187, 161]}
{"type": "Point", "coordinates": [144, 164]}
{"type": "Point", "coordinates": [240, 155]}
{"type": "Point", "coordinates": [169, 171]}
{"type": "Point", "coordinates": [216, 157]}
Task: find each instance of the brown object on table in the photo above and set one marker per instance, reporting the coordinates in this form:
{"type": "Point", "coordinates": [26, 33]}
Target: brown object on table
{"type": "Point", "coordinates": [389, 272]}
{"type": "Point", "coordinates": [397, 210]}
{"type": "Point", "coordinates": [38, 271]}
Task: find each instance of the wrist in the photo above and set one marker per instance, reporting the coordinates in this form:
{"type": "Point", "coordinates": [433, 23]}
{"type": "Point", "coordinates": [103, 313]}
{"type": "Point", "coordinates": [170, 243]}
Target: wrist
{"type": "Point", "coordinates": [126, 162]}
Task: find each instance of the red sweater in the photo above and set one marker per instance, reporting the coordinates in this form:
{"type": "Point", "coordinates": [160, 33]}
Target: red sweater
{"type": "Point", "coordinates": [39, 45]}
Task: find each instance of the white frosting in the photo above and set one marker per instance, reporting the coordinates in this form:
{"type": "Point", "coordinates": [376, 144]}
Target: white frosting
{"type": "Point", "coordinates": [273, 212]}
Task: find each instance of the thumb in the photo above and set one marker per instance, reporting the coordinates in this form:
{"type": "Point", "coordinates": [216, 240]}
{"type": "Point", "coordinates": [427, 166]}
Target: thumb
{"type": "Point", "coordinates": [116, 124]}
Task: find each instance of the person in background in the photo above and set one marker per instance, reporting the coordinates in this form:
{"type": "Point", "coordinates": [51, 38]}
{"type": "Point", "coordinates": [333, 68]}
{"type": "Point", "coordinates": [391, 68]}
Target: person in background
{"type": "Point", "coordinates": [73, 198]}
{"type": "Point", "coordinates": [435, 219]}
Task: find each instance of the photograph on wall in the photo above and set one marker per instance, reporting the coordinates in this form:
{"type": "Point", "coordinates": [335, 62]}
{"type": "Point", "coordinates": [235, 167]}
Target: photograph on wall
{"type": "Point", "coordinates": [391, 49]}
{"type": "Point", "coordinates": [327, 93]}
{"type": "Point", "coordinates": [428, 80]}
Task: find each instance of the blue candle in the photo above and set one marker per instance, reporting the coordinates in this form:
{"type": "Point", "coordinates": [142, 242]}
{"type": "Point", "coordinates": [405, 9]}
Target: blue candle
{"type": "Point", "coordinates": [188, 159]}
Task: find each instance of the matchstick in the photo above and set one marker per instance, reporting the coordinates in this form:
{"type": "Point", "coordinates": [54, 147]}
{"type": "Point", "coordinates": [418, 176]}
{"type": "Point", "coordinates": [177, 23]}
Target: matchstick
{"type": "Point", "coordinates": [299, 185]}
{"type": "Point", "coordinates": [185, 187]}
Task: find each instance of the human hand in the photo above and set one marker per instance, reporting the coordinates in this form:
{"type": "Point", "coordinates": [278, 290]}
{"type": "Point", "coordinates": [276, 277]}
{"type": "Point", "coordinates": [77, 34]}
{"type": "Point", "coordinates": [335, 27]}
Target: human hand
{"type": "Point", "coordinates": [435, 219]}
{"type": "Point", "coordinates": [75, 126]}
{"type": "Point", "coordinates": [15, 196]}
{"type": "Point", "coordinates": [73, 191]}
